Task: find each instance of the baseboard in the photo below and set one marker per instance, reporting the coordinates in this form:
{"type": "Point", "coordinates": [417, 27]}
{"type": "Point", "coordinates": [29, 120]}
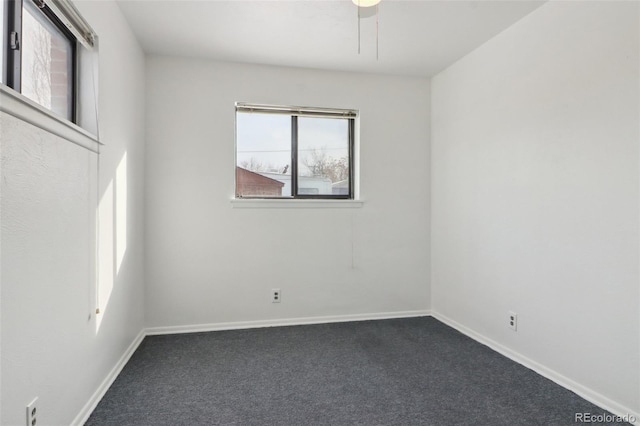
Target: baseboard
{"type": "Point", "coordinates": [88, 408]}
{"type": "Point", "coordinates": [283, 322]}
{"type": "Point", "coordinates": [583, 391]}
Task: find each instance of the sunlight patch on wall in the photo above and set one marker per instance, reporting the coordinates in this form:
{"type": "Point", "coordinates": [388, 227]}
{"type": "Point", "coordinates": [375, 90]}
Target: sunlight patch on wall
{"type": "Point", "coordinates": [121, 211]}
{"type": "Point", "coordinates": [105, 251]}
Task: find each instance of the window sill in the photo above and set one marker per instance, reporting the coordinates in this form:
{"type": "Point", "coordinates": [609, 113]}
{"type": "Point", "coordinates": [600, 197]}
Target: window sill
{"type": "Point", "coordinates": [19, 106]}
{"type": "Point", "coordinates": [295, 204]}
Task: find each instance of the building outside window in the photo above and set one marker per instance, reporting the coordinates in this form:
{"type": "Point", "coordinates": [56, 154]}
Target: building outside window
{"type": "Point", "coordinates": [308, 150]}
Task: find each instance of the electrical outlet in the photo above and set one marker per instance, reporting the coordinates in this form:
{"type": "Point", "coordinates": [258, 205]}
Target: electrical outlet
{"type": "Point", "coordinates": [513, 321]}
{"type": "Point", "coordinates": [276, 295]}
{"type": "Point", "coordinates": [32, 413]}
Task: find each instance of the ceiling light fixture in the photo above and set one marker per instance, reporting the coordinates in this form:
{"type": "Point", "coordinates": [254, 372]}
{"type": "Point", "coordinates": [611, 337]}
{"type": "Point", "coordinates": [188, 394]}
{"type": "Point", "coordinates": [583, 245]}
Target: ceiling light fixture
{"type": "Point", "coordinates": [362, 4]}
{"type": "Point", "coordinates": [365, 3]}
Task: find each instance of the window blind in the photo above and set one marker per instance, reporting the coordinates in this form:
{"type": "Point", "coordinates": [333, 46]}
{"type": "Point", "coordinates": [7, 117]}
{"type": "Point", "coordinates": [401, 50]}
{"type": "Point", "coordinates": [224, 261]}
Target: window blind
{"type": "Point", "coordinates": [296, 110]}
{"type": "Point", "coordinates": [71, 18]}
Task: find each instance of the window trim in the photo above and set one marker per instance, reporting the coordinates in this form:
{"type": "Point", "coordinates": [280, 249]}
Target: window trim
{"type": "Point", "coordinates": [23, 108]}
{"type": "Point", "coordinates": [63, 15]}
{"type": "Point", "coordinates": [295, 112]}
{"type": "Point", "coordinates": [70, 17]}
{"type": "Point", "coordinates": [48, 13]}
{"type": "Point", "coordinates": [298, 110]}
{"type": "Point", "coordinates": [292, 203]}
{"type": "Point", "coordinates": [12, 56]}
{"type": "Point", "coordinates": [15, 14]}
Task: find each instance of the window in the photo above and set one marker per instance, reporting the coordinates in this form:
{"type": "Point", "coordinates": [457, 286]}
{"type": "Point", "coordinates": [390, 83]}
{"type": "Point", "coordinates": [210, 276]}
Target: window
{"type": "Point", "coordinates": [40, 43]}
{"type": "Point", "coordinates": [294, 152]}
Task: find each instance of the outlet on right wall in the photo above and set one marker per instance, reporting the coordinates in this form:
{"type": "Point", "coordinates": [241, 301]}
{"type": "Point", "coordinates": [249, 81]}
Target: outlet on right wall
{"type": "Point", "coordinates": [535, 196]}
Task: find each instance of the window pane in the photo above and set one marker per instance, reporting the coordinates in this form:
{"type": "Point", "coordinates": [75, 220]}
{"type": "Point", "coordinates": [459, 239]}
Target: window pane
{"type": "Point", "coordinates": [263, 155]}
{"type": "Point", "coordinates": [323, 156]}
{"type": "Point", "coordinates": [47, 56]}
{"type": "Point", "coordinates": [2, 31]}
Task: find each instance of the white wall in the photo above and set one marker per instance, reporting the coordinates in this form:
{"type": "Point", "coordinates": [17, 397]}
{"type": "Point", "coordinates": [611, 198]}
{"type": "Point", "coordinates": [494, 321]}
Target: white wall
{"type": "Point", "coordinates": [53, 346]}
{"type": "Point", "coordinates": [535, 194]}
{"type": "Point", "coordinates": [209, 263]}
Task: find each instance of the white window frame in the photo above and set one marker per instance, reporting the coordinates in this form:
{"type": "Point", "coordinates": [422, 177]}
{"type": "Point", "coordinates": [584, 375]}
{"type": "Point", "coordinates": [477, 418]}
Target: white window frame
{"type": "Point", "coordinates": [83, 129]}
{"type": "Point", "coordinates": [342, 200]}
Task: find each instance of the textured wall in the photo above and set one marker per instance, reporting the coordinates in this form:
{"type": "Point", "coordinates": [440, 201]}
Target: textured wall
{"type": "Point", "coordinates": [535, 193]}
{"type": "Point", "coordinates": [53, 346]}
{"type": "Point", "coordinates": [48, 199]}
{"type": "Point", "coordinates": [327, 262]}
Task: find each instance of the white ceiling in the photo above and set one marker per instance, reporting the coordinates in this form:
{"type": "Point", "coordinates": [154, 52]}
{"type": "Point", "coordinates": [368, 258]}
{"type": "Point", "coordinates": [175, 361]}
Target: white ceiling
{"type": "Point", "coordinates": [418, 38]}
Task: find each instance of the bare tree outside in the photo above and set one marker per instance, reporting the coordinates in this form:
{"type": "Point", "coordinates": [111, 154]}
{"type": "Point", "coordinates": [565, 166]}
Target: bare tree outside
{"type": "Point", "coordinates": [37, 76]}
{"type": "Point", "coordinates": [255, 165]}
{"type": "Point", "coordinates": [265, 146]}
{"type": "Point", "coordinates": [41, 66]}
{"type": "Point", "coordinates": [47, 62]}
{"type": "Point", "coordinates": [323, 155]}
{"type": "Point", "coordinates": [319, 163]}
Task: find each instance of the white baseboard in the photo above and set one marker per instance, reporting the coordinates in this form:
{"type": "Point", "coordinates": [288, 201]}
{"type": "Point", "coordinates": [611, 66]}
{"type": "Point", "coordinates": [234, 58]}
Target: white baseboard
{"type": "Point", "coordinates": [583, 391]}
{"type": "Point", "coordinates": [88, 408]}
{"type": "Point", "coordinates": [282, 322]}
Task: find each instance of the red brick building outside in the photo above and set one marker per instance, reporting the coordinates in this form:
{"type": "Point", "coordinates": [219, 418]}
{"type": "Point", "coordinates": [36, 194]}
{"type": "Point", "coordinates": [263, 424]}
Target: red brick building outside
{"type": "Point", "coordinates": [61, 77]}
{"type": "Point", "coordinates": [251, 184]}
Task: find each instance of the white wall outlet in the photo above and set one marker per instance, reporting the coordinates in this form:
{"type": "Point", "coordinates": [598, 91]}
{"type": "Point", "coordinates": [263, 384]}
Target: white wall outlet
{"type": "Point", "coordinates": [276, 295]}
{"type": "Point", "coordinates": [513, 321]}
{"type": "Point", "coordinates": [32, 412]}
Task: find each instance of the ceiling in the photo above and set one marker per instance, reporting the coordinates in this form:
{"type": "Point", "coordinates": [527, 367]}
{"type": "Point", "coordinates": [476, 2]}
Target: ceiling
{"type": "Point", "coordinates": [416, 38]}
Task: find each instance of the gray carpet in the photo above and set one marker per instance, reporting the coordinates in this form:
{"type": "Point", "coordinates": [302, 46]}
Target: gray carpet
{"type": "Point", "coordinates": [414, 371]}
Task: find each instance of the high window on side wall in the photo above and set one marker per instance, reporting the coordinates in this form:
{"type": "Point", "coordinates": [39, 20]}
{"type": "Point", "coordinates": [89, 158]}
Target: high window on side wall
{"type": "Point", "coordinates": [40, 41]}
{"type": "Point", "coordinates": [294, 152]}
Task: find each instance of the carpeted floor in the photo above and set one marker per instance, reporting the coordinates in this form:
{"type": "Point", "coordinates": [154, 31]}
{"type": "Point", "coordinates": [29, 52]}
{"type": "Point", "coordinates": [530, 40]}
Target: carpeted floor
{"type": "Point", "coordinates": [414, 371]}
